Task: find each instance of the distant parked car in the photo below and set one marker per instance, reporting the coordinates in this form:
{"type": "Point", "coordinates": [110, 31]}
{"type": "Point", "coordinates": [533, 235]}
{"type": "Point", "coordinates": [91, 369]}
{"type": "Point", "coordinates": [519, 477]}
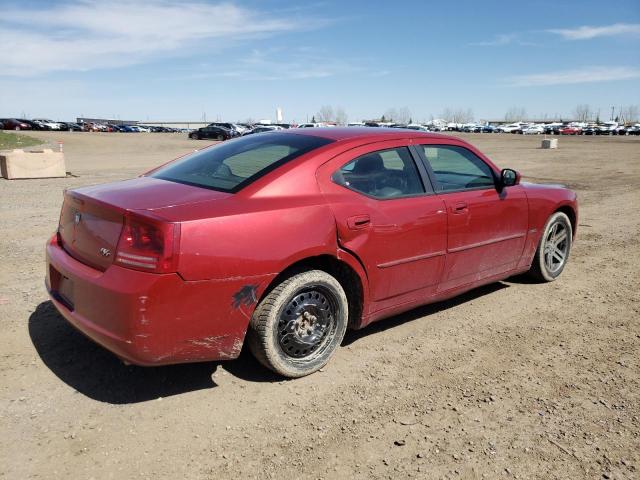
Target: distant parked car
{"type": "Point", "coordinates": [95, 127]}
{"type": "Point", "coordinates": [33, 124]}
{"type": "Point", "coordinates": [229, 126]}
{"type": "Point", "coordinates": [533, 130]}
{"type": "Point", "coordinates": [13, 124]}
{"type": "Point", "coordinates": [212, 132]}
{"type": "Point", "coordinates": [488, 129]}
{"type": "Point", "coordinates": [553, 129]}
{"type": "Point", "coordinates": [70, 126]}
{"type": "Point", "coordinates": [50, 123]}
{"type": "Point", "coordinates": [571, 131]}
{"type": "Point", "coordinates": [510, 128]}
{"type": "Point", "coordinates": [416, 126]}
{"type": "Point", "coordinates": [260, 129]}
{"type": "Point", "coordinates": [607, 128]}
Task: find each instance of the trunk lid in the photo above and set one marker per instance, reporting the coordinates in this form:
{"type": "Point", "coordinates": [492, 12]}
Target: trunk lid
{"type": "Point", "coordinates": [92, 218]}
{"type": "Point", "coordinates": [89, 230]}
{"type": "Point", "coordinates": [148, 193]}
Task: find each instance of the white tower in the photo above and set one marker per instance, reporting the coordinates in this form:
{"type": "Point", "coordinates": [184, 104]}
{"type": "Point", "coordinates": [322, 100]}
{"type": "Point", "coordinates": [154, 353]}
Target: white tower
{"type": "Point", "coordinates": [278, 115]}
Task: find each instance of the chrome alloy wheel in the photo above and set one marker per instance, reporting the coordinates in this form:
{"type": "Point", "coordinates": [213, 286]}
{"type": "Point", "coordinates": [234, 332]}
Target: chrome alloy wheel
{"type": "Point", "coordinates": [556, 246]}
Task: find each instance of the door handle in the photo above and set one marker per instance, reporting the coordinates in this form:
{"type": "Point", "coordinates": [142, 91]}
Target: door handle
{"type": "Point", "coordinates": [460, 207]}
{"type": "Point", "coordinates": [358, 221]}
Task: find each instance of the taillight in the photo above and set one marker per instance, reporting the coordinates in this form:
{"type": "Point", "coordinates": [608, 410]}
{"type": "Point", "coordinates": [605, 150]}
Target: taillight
{"type": "Point", "coordinates": [148, 245]}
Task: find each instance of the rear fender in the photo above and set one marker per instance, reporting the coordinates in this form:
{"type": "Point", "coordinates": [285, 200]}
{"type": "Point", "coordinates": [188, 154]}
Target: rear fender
{"type": "Point", "coordinates": [355, 263]}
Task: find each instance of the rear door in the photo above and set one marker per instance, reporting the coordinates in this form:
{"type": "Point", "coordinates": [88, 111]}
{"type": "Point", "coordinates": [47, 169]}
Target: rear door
{"type": "Point", "coordinates": [387, 215]}
{"type": "Point", "coordinates": [486, 228]}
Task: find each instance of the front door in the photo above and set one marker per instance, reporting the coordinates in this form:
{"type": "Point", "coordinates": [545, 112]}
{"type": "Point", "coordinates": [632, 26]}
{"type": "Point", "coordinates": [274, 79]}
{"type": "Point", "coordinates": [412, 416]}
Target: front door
{"type": "Point", "coordinates": [486, 228]}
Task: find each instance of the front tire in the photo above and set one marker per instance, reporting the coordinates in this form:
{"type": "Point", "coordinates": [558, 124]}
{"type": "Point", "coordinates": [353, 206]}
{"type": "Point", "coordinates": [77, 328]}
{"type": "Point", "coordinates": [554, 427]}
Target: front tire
{"type": "Point", "coordinates": [553, 249]}
{"type": "Point", "coordinates": [298, 326]}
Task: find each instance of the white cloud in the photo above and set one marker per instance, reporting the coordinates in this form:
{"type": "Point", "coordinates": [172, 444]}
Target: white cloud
{"type": "Point", "coordinates": [278, 64]}
{"type": "Point", "coordinates": [497, 41]}
{"type": "Point", "coordinates": [567, 77]}
{"type": "Point", "coordinates": [92, 34]}
{"type": "Point", "coordinates": [588, 32]}
{"type": "Point", "coordinates": [502, 40]}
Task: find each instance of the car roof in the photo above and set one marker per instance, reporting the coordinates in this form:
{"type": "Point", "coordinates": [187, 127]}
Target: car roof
{"type": "Point", "coordinates": [364, 133]}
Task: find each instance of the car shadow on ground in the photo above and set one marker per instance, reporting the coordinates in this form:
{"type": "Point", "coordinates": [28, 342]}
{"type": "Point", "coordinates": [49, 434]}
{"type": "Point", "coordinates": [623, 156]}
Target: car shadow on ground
{"type": "Point", "coordinates": [524, 279]}
{"type": "Point", "coordinates": [426, 310]}
{"type": "Point", "coordinates": [98, 374]}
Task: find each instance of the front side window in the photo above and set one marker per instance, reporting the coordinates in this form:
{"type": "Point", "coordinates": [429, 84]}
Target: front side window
{"type": "Point", "coordinates": [231, 165]}
{"type": "Point", "coordinates": [456, 168]}
{"type": "Point", "coordinates": [385, 174]}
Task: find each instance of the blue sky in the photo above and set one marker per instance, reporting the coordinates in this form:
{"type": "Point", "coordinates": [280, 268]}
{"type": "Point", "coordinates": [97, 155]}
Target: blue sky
{"type": "Point", "coordinates": [172, 60]}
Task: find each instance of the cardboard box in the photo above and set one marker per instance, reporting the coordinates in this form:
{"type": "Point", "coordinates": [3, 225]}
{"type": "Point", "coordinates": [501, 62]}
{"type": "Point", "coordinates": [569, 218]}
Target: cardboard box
{"type": "Point", "coordinates": [34, 164]}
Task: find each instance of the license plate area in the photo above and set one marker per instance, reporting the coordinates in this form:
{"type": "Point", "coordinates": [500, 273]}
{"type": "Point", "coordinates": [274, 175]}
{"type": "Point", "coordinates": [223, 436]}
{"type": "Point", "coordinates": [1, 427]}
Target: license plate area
{"type": "Point", "coordinates": [62, 288]}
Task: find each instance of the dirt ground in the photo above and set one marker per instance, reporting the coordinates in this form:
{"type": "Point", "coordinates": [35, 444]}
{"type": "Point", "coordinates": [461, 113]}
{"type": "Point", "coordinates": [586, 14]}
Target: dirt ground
{"type": "Point", "coordinates": [515, 379]}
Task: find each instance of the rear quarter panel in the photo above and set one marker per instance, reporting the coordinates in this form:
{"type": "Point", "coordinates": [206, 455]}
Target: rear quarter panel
{"type": "Point", "coordinates": [231, 249]}
{"type": "Point", "coordinates": [266, 239]}
{"type": "Point", "coordinates": [264, 228]}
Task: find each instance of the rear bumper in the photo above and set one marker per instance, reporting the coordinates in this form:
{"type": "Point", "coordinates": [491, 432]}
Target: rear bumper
{"type": "Point", "coordinates": [153, 319]}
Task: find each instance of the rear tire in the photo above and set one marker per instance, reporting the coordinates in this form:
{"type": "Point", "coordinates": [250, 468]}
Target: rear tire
{"type": "Point", "coordinates": [298, 326]}
{"type": "Point", "coordinates": [553, 249]}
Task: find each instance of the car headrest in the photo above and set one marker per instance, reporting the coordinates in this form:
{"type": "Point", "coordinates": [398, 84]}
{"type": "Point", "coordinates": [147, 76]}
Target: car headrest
{"type": "Point", "coordinates": [369, 164]}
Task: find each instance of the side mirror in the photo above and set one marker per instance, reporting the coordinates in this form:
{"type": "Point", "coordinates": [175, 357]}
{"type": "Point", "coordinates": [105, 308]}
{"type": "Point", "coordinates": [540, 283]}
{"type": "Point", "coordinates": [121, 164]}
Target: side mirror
{"type": "Point", "coordinates": [508, 178]}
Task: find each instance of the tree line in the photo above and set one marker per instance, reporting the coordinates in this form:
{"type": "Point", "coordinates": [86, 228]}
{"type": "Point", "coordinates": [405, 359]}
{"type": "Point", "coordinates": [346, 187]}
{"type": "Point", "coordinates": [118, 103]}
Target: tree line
{"type": "Point", "coordinates": [402, 115]}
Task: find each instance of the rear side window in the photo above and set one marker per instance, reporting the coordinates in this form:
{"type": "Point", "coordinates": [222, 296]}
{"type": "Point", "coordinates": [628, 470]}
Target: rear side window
{"type": "Point", "coordinates": [232, 165]}
{"type": "Point", "coordinates": [385, 174]}
{"type": "Point", "coordinates": [456, 168]}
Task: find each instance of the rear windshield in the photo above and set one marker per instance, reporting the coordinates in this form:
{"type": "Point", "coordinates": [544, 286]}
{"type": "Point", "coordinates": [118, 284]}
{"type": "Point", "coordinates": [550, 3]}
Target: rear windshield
{"type": "Point", "coordinates": [231, 165]}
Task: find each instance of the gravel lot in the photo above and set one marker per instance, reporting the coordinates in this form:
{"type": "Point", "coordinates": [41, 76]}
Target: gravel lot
{"type": "Point", "coordinates": [515, 379]}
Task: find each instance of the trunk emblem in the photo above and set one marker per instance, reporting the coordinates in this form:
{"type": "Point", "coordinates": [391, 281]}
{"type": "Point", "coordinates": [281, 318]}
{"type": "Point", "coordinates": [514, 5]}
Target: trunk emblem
{"type": "Point", "coordinates": [105, 252]}
{"type": "Point", "coordinates": [76, 218]}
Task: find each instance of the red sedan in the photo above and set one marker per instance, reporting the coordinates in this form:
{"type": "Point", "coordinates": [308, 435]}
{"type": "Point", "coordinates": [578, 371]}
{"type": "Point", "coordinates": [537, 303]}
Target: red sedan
{"type": "Point", "coordinates": [13, 124]}
{"type": "Point", "coordinates": [291, 237]}
{"type": "Point", "coordinates": [570, 131]}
